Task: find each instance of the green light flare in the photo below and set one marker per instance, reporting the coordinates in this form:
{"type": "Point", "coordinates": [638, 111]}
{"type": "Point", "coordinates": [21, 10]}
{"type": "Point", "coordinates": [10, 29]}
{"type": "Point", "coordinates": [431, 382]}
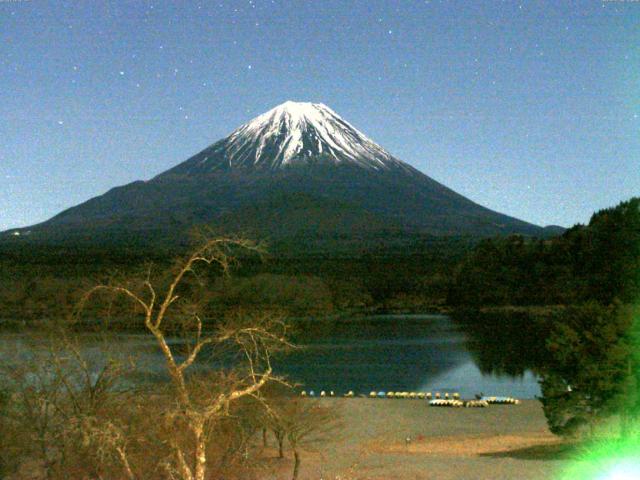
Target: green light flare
{"type": "Point", "coordinates": [607, 460]}
{"type": "Point", "coordinates": [626, 470]}
{"type": "Point", "coordinates": [615, 458]}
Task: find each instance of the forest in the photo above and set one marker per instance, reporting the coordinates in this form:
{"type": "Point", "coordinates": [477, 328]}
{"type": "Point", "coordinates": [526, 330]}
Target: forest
{"type": "Point", "coordinates": [598, 262]}
{"type": "Point", "coordinates": [595, 262]}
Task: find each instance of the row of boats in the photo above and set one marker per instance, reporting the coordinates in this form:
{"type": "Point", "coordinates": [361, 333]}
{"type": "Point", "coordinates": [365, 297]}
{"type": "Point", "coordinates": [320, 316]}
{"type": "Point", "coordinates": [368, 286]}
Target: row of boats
{"type": "Point", "coordinates": [415, 395]}
{"type": "Point", "coordinates": [435, 400]}
{"type": "Point", "coordinates": [477, 403]}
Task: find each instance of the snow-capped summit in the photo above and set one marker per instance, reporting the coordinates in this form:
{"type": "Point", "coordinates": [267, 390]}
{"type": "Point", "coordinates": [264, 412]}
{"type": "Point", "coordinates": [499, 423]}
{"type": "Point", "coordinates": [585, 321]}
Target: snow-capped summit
{"type": "Point", "coordinates": [299, 131]}
{"type": "Point", "coordinates": [290, 134]}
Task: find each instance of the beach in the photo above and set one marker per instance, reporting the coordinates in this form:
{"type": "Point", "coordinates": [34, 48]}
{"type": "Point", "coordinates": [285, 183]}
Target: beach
{"type": "Point", "coordinates": [384, 438]}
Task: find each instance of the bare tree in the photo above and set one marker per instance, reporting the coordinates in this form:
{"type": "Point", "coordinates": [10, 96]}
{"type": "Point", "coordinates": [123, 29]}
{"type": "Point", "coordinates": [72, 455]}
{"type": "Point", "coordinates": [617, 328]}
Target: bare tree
{"type": "Point", "coordinates": [56, 392]}
{"type": "Point", "coordinates": [172, 306]}
{"type": "Point", "coordinates": [309, 424]}
{"type": "Point", "coordinates": [302, 422]}
{"type": "Point", "coordinates": [30, 416]}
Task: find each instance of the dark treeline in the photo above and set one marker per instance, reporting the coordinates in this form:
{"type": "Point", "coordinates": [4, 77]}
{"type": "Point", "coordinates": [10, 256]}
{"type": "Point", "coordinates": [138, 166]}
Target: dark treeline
{"type": "Point", "coordinates": [44, 282]}
{"type": "Point", "coordinates": [597, 262]}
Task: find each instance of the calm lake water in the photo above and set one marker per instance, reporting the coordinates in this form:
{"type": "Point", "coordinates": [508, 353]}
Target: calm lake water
{"type": "Point", "coordinates": [427, 353]}
{"type": "Point", "coordinates": [398, 352]}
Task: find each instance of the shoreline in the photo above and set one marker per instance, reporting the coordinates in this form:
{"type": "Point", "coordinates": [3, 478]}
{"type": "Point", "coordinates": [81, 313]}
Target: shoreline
{"type": "Point", "coordinates": [343, 316]}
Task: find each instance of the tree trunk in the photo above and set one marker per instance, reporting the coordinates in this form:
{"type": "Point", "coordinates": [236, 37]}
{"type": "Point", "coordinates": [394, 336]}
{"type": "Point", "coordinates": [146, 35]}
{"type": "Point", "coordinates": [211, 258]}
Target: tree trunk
{"type": "Point", "coordinates": [201, 456]}
{"type": "Point", "coordinates": [183, 468]}
{"type": "Point", "coordinates": [280, 439]}
{"type": "Point", "coordinates": [296, 465]}
{"type": "Point", "coordinates": [265, 443]}
{"type": "Point", "coordinates": [125, 463]}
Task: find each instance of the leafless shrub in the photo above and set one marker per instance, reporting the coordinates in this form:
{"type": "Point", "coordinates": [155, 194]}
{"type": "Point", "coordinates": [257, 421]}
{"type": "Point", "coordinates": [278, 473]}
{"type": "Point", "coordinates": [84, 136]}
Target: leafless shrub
{"type": "Point", "coordinates": [303, 422]}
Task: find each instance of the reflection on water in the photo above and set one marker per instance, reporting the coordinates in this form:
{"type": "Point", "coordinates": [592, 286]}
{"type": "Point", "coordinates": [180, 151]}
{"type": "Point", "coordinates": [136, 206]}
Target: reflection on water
{"type": "Point", "coordinates": [468, 380]}
{"type": "Point", "coordinates": [398, 353]}
{"type": "Point", "coordinates": [508, 343]}
{"type": "Point", "coordinates": [391, 353]}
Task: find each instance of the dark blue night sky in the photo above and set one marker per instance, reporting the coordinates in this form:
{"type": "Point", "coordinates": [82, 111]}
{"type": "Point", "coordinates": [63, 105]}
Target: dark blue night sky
{"type": "Point", "coordinates": [529, 108]}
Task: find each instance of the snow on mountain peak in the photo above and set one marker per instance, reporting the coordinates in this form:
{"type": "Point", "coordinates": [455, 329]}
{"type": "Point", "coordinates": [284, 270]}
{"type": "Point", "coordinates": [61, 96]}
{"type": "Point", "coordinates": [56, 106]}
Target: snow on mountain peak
{"type": "Point", "coordinates": [298, 131]}
{"type": "Point", "coordinates": [292, 133]}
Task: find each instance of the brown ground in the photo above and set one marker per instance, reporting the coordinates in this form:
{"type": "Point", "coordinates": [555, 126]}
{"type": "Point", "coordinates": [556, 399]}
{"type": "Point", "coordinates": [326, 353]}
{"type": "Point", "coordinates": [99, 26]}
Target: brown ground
{"type": "Point", "coordinates": [498, 442]}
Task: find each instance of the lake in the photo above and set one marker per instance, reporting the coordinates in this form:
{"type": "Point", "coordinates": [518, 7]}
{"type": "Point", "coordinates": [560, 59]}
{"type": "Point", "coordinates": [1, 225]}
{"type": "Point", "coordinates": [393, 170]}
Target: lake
{"type": "Point", "coordinates": [428, 353]}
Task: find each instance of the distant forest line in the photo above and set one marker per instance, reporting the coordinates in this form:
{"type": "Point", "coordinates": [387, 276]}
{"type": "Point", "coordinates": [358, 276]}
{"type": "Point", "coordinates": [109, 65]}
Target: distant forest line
{"type": "Point", "coordinates": [598, 262]}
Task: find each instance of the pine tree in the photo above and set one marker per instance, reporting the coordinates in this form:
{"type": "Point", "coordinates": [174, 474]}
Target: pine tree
{"type": "Point", "coordinates": [590, 373]}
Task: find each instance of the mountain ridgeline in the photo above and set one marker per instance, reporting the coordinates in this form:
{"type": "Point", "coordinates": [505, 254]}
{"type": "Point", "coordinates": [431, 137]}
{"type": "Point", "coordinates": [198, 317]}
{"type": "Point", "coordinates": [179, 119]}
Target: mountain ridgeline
{"type": "Point", "coordinates": [298, 171]}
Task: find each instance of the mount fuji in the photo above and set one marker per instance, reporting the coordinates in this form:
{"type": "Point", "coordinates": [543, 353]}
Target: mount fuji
{"type": "Point", "coordinates": [298, 171]}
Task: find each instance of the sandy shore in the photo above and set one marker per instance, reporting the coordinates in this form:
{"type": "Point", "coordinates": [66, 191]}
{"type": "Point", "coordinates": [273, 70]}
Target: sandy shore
{"type": "Point", "coordinates": [498, 442]}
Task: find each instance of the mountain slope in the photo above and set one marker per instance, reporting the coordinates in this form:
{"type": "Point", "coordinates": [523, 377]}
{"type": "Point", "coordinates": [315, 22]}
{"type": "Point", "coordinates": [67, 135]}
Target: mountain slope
{"type": "Point", "coordinates": [329, 180]}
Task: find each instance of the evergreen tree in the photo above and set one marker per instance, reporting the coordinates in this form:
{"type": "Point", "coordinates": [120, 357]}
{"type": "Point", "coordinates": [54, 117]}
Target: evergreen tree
{"type": "Point", "coordinates": [590, 372]}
